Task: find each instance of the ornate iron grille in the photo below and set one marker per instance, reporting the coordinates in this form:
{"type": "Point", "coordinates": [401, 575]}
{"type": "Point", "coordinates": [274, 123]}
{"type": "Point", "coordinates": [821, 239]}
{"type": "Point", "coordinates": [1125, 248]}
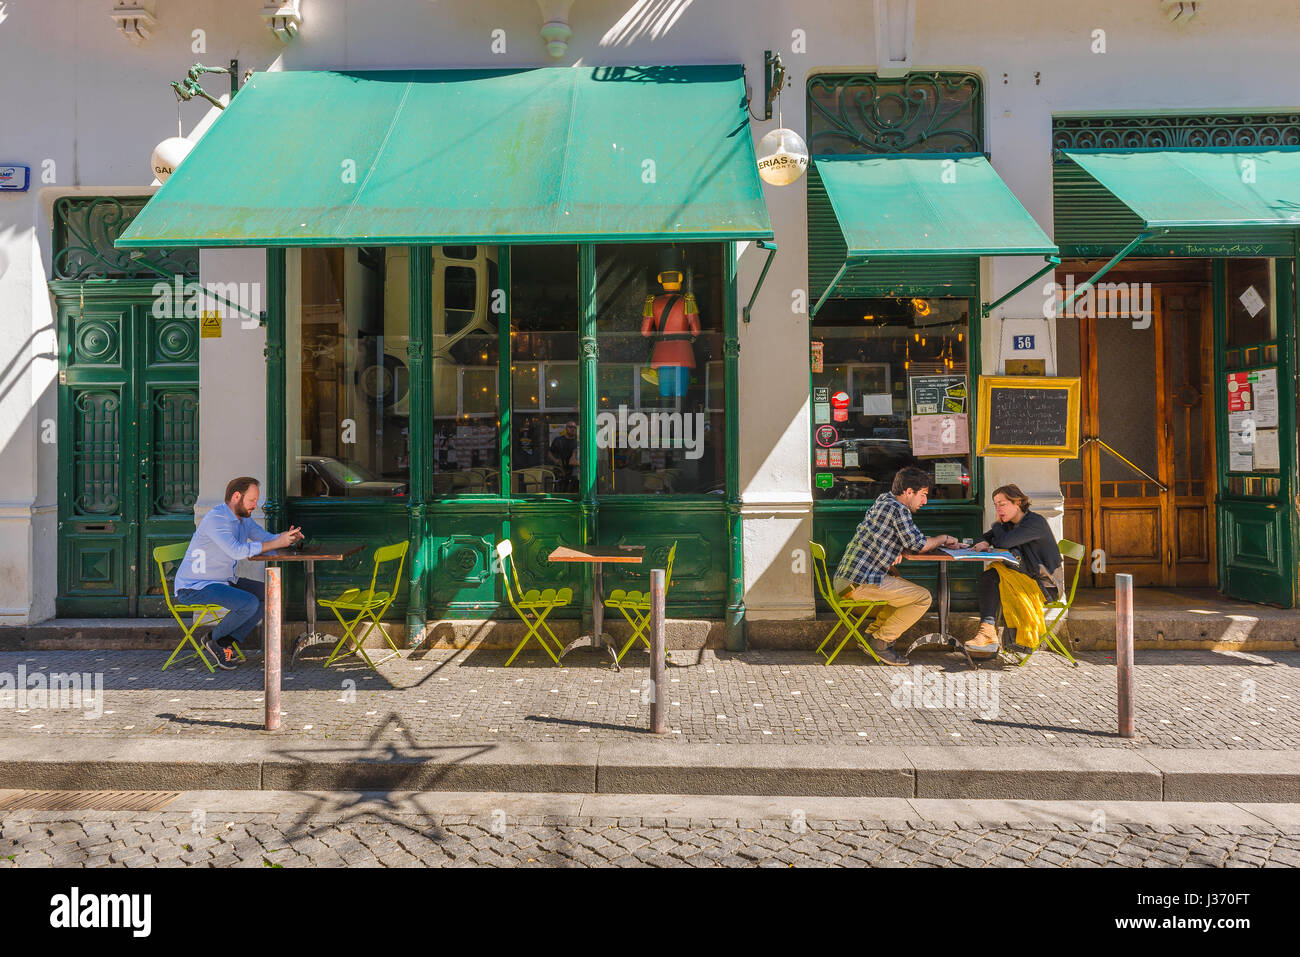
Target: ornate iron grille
{"type": "Point", "coordinates": [96, 455]}
{"type": "Point", "coordinates": [1172, 132]}
{"type": "Point", "coordinates": [85, 229]}
{"type": "Point", "coordinates": [175, 452]}
{"type": "Point", "coordinates": [918, 113]}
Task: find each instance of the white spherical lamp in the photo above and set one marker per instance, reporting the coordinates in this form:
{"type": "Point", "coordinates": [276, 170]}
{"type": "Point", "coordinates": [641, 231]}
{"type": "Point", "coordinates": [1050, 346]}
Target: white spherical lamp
{"type": "Point", "coordinates": [168, 155]}
{"type": "Point", "coordinates": [782, 157]}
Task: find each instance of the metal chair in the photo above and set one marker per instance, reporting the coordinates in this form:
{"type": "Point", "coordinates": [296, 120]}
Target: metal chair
{"type": "Point", "coordinates": [841, 607]}
{"type": "Point", "coordinates": [367, 603]}
{"type": "Point", "coordinates": [163, 555]}
{"type": "Point", "coordinates": [531, 606]}
{"type": "Point", "coordinates": [635, 606]}
{"type": "Point", "coordinates": [1061, 608]}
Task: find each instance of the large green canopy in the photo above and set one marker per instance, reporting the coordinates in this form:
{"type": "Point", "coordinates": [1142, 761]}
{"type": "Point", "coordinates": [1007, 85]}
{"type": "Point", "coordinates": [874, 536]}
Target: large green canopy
{"type": "Point", "coordinates": [468, 156]}
{"type": "Point", "coordinates": [1188, 188]}
{"type": "Point", "coordinates": [928, 205]}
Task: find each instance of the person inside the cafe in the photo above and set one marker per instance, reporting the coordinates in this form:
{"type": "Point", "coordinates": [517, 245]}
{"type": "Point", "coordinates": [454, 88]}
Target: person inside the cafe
{"type": "Point", "coordinates": [1038, 574]}
{"type": "Point", "coordinates": [564, 453]}
{"type": "Point", "coordinates": [886, 531]}
{"type": "Point", "coordinates": [206, 575]}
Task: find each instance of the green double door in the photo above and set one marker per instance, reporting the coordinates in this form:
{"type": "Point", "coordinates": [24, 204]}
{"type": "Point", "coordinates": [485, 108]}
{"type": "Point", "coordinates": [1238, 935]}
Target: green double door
{"type": "Point", "coordinates": [128, 443]}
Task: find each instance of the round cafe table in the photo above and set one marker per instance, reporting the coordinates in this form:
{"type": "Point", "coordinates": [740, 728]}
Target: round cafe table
{"type": "Point", "coordinates": [309, 555]}
{"type": "Point", "coordinates": [597, 557]}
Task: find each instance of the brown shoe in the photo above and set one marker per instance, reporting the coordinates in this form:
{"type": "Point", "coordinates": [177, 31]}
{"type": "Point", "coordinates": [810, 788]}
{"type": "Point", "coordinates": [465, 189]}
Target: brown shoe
{"type": "Point", "coordinates": [986, 641]}
{"type": "Point", "coordinates": [886, 653]}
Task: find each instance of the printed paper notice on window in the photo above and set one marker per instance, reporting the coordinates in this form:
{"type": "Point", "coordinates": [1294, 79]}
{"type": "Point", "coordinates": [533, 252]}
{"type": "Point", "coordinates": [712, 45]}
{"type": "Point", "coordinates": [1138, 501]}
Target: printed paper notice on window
{"type": "Point", "coordinates": [1263, 386]}
{"type": "Point", "coordinates": [1241, 441]}
{"type": "Point", "coordinates": [947, 473]}
{"type": "Point", "coordinates": [821, 413]}
{"type": "Point", "coordinates": [940, 435]}
{"type": "Point", "coordinates": [877, 404]}
{"type": "Point", "coordinates": [1267, 456]}
{"type": "Point", "coordinates": [1253, 301]}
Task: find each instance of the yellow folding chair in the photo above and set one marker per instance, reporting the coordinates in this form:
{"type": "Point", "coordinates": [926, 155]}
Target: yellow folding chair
{"type": "Point", "coordinates": [367, 603]}
{"type": "Point", "coordinates": [635, 606]}
{"type": "Point", "coordinates": [532, 606]}
{"type": "Point", "coordinates": [841, 607]}
{"type": "Point", "coordinates": [164, 555]}
{"type": "Point", "coordinates": [1054, 612]}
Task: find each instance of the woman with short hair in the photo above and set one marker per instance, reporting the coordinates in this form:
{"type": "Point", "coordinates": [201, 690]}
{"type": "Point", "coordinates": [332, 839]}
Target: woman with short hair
{"type": "Point", "coordinates": [1029, 538]}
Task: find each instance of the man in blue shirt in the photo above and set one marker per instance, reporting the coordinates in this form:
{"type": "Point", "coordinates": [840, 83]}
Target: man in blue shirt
{"type": "Point", "coordinates": [885, 533]}
{"type": "Point", "coordinates": [206, 575]}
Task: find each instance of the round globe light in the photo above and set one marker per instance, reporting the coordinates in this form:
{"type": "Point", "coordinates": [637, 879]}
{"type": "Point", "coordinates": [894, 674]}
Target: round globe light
{"type": "Point", "coordinates": [782, 157]}
{"type": "Point", "coordinates": [168, 155]}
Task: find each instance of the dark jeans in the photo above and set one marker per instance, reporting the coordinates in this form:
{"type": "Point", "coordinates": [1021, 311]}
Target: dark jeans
{"type": "Point", "coordinates": [243, 602]}
{"type": "Point", "coordinates": [991, 595]}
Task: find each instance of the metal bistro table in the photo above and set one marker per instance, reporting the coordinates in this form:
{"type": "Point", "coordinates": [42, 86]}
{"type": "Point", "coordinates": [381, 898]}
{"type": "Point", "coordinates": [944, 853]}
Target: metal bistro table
{"type": "Point", "coordinates": [310, 555]}
{"type": "Point", "coordinates": [942, 637]}
{"type": "Point", "coordinates": [597, 557]}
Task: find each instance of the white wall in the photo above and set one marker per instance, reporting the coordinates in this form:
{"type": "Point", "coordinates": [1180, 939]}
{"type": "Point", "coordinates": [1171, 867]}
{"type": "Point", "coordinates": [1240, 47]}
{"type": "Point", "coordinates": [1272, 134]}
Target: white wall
{"type": "Point", "coordinates": [95, 104]}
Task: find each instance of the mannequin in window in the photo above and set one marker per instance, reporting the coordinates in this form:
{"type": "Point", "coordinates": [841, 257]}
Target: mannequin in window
{"type": "Point", "coordinates": [672, 321]}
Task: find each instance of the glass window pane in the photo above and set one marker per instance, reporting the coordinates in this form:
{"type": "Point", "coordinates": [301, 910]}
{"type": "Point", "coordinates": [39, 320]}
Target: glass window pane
{"type": "Point", "coordinates": [544, 370]}
{"type": "Point", "coordinates": [894, 390]}
{"type": "Point", "coordinates": [660, 426]}
{"type": "Point", "coordinates": [1251, 315]}
{"type": "Point", "coordinates": [347, 383]}
{"type": "Point", "coordinates": [465, 348]}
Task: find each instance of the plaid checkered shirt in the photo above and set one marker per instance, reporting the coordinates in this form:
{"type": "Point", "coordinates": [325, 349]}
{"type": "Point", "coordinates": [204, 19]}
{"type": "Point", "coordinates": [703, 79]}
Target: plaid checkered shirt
{"type": "Point", "coordinates": [885, 532]}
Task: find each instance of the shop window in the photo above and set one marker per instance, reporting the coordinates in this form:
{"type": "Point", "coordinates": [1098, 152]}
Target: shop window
{"type": "Point", "coordinates": [347, 397]}
{"type": "Point", "coordinates": [467, 309]}
{"type": "Point", "coordinates": [544, 370]}
{"type": "Point", "coordinates": [1252, 318]}
{"type": "Point", "coordinates": [890, 388]}
{"type": "Point", "coordinates": [659, 386]}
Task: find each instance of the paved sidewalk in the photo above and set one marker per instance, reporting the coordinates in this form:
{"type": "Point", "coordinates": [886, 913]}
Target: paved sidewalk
{"type": "Point", "coordinates": [207, 829]}
{"type": "Point", "coordinates": [1194, 700]}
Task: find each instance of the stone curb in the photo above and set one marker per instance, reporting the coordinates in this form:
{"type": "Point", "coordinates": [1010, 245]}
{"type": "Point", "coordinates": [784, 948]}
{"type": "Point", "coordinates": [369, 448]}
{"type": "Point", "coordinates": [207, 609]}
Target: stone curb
{"type": "Point", "coordinates": [652, 767]}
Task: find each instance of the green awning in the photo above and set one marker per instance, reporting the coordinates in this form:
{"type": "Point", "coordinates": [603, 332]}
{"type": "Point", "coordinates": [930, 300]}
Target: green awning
{"type": "Point", "coordinates": [1210, 188]}
{"type": "Point", "coordinates": [928, 205]}
{"type": "Point", "coordinates": [578, 154]}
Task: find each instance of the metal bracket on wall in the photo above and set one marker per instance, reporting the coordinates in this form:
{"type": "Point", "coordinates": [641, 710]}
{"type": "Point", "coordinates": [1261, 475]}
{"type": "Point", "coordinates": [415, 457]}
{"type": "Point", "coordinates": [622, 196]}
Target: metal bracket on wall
{"type": "Point", "coordinates": [770, 246]}
{"type": "Point", "coordinates": [1052, 263]}
{"type": "Point", "coordinates": [830, 288]}
{"type": "Point", "coordinates": [1150, 478]}
{"type": "Point", "coordinates": [189, 88]}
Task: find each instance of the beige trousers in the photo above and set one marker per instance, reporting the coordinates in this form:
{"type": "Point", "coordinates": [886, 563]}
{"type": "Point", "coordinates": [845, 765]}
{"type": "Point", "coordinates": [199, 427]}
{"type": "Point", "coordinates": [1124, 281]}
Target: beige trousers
{"type": "Point", "coordinates": [906, 603]}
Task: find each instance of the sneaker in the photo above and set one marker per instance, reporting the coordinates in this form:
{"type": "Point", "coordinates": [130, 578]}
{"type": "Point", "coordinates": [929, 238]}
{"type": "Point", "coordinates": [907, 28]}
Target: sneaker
{"type": "Point", "coordinates": [886, 653]}
{"type": "Point", "coordinates": [986, 641]}
{"type": "Point", "coordinates": [224, 657]}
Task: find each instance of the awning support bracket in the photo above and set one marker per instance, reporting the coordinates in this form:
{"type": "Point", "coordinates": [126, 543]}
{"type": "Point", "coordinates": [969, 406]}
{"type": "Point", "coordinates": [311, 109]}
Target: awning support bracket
{"type": "Point", "coordinates": [1052, 263]}
{"type": "Point", "coordinates": [138, 256]}
{"type": "Point", "coordinates": [1115, 260]}
{"type": "Point", "coordinates": [770, 246]}
{"type": "Point", "coordinates": [833, 283]}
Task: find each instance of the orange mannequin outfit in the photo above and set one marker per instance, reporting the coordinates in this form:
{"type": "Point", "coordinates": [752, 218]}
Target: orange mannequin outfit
{"type": "Point", "coordinates": [683, 320]}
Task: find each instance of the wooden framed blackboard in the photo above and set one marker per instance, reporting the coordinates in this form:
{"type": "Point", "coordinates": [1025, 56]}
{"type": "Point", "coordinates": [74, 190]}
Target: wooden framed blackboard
{"type": "Point", "coordinates": [1029, 416]}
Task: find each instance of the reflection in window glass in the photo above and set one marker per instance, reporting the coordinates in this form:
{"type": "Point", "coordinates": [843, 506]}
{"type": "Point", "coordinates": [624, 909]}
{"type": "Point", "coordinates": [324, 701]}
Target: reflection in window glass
{"type": "Point", "coordinates": [347, 400]}
{"type": "Point", "coordinates": [466, 312]}
{"type": "Point", "coordinates": [1251, 316]}
{"type": "Point", "coordinates": [544, 370]}
{"type": "Point", "coordinates": [894, 390]}
{"type": "Point", "coordinates": [659, 321]}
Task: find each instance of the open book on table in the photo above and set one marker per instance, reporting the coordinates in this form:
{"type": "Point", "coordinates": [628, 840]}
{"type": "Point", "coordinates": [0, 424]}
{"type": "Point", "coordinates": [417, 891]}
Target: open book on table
{"type": "Point", "coordinates": [992, 554]}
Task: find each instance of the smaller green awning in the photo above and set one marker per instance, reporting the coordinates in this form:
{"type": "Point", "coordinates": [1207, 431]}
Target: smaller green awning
{"type": "Point", "coordinates": [928, 205]}
{"type": "Point", "coordinates": [1210, 188]}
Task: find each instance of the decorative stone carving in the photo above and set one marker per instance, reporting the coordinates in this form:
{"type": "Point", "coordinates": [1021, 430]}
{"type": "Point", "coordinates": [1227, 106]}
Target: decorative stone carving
{"type": "Point", "coordinates": [555, 25]}
{"type": "Point", "coordinates": [283, 18]}
{"type": "Point", "coordinates": [134, 18]}
{"type": "Point", "coordinates": [895, 28]}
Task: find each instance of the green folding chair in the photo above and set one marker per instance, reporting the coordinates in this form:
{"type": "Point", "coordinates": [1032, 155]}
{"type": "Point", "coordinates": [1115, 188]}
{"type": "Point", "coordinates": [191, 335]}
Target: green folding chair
{"type": "Point", "coordinates": [635, 606]}
{"type": "Point", "coordinates": [367, 603]}
{"type": "Point", "coordinates": [842, 607]}
{"type": "Point", "coordinates": [164, 555]}
{"type": "Point", "coordinates": [1055, 611]}
{"type": "Point", "coordinates": [531, 606]}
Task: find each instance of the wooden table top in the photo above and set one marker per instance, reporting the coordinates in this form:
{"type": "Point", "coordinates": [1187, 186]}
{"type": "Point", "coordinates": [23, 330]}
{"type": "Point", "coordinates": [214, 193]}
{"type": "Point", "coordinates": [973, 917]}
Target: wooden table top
{"type": "Point", "coordinates": [938, 556]}
{"type": "Point", "coordinates": [311, 553]}
{"type": "Point", "coordinates": [619, 554]}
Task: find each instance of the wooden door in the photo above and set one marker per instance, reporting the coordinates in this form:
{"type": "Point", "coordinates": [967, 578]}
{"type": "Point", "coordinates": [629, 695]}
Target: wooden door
{"type": "Point", "coordinates": [1139, 496]}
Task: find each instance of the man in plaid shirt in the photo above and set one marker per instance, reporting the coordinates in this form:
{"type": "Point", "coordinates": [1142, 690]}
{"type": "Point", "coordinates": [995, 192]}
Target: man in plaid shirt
{"type": "Point", "coordinates": [886, 532]}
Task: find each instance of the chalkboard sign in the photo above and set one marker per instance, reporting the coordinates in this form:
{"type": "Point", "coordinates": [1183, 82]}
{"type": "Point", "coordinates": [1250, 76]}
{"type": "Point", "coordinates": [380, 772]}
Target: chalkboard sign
{"type": "Point", "coordinates": [1029, 416]}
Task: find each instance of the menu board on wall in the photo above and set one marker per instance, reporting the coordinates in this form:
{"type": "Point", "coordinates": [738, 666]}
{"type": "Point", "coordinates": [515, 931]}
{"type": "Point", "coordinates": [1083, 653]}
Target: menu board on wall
{"type": "Point", "coordinates": [1029, 416]}
{"type": "Point", "coordinates": [937, 394]}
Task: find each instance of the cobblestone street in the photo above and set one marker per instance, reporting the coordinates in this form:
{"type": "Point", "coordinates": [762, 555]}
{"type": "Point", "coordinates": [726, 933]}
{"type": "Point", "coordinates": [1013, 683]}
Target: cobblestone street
{"type": "Point", "coordinates": [495, 839]}
{"type": "Point", "coordinates": [1202, 699]}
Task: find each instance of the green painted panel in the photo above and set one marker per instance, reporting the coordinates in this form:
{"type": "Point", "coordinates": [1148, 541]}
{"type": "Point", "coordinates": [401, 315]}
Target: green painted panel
{"type": "Point", "coordinates": [834, 528]}
{"type": "Point", "coordinates": [1255, 538]}
{"type": "Point", "coordinates": [907, 276]}
{"type": "Point", "coordinates": [626, 154]}
{"type": "Point", "coordinates": [700, 567]}
{"type": "Point", "coordinates": [345, 525]}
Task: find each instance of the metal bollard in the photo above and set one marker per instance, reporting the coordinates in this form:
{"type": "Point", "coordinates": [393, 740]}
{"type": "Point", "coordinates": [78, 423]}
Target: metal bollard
{"type": "Point", "coordinates": [658, 696]}
{"type": "Point", "coordinates": [1124, 651]}
{"type": "Point", "coordinates": [271, 648]}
